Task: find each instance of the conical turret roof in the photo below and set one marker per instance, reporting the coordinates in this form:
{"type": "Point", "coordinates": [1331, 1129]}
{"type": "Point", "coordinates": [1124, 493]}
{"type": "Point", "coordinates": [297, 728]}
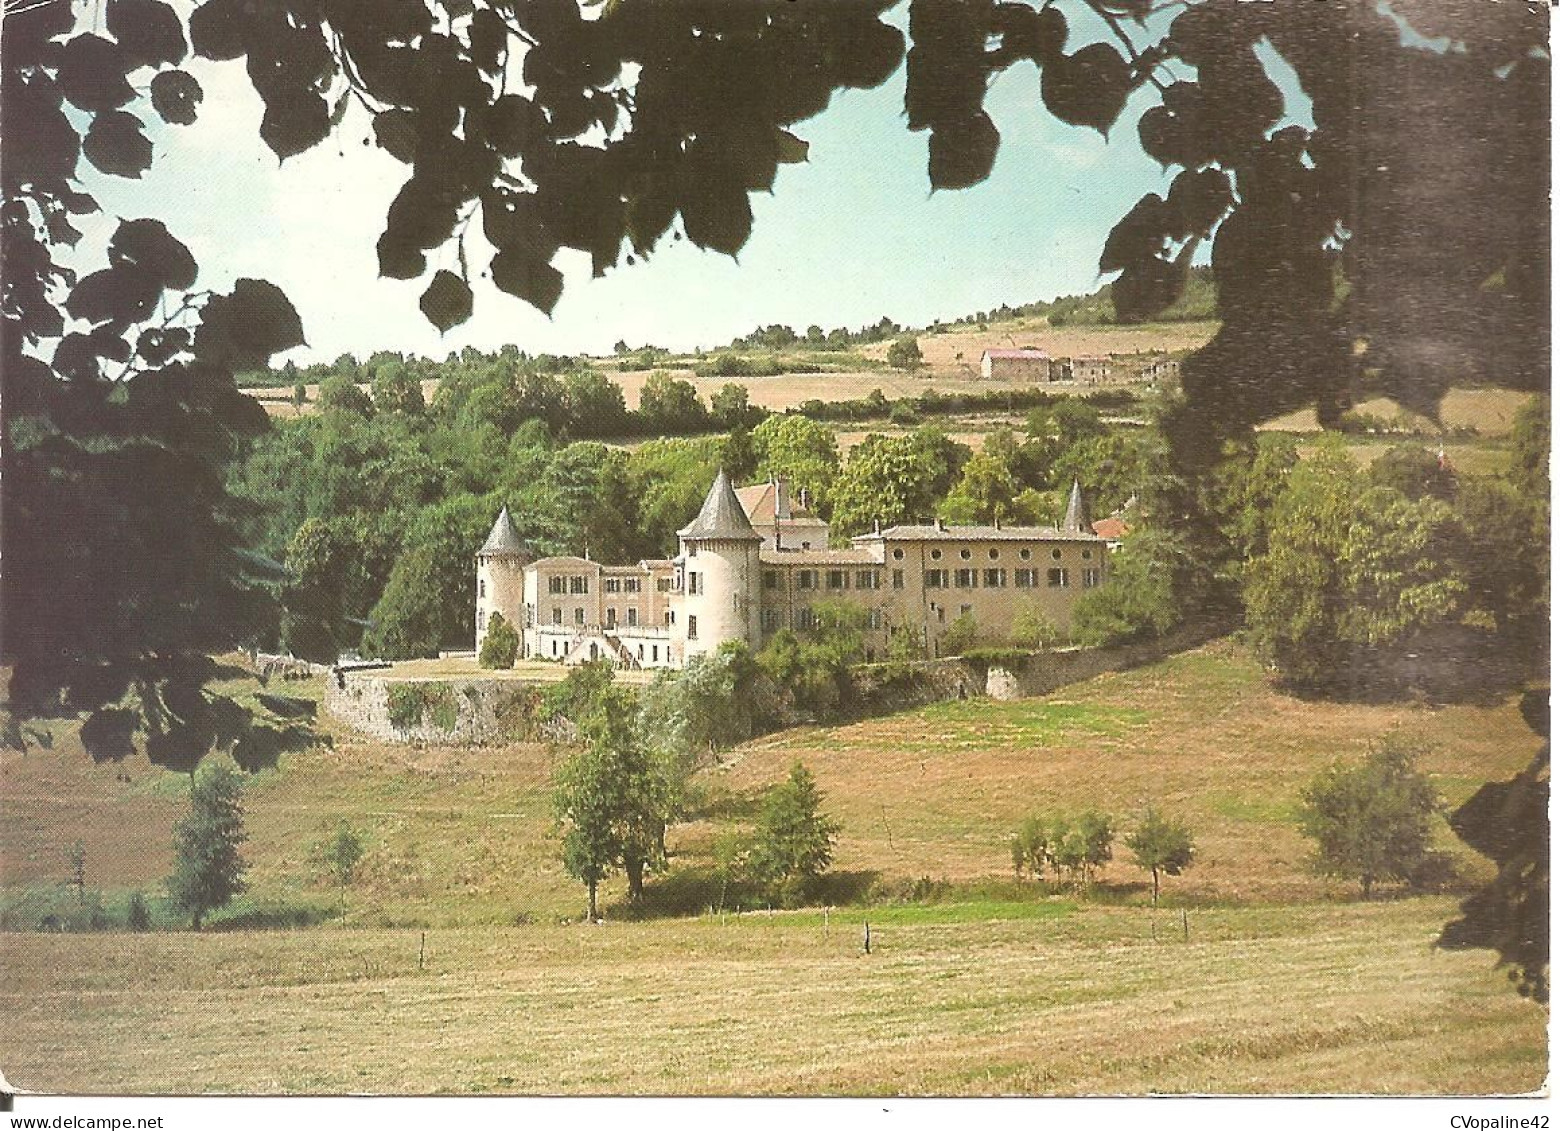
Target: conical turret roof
{"type": "Point", "coordinates": [1077, 520]}
{"type": "Point", "coordinates": [503, 541]}
{"type": "Point", "coordinates": [721, 516]}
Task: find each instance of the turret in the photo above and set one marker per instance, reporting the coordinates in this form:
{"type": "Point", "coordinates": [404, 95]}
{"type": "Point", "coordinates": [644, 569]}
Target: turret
{"type": "Point", "coordinates": [1077, 519]}
{"type": "Point", "coordinates": [720, 570]}
{"type": "Point", "coordinates": [501, 578]}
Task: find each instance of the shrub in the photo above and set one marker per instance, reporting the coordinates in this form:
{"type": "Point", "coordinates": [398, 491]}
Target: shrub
{"type": "Point", "coordinates": [794, 841]}
{"type": "Point", "coordinates": [1161, 845]}
{"type": "Point", "coordinates": [501, 644]}
{"type": "Point", "coordinates": [410, 703]}
{"type": "Point", "coordinates": [137, 916]}
{"type": "Point", "coordinates": [1371, 821]}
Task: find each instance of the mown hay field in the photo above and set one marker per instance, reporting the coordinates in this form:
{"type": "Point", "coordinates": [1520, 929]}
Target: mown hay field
{"type": "Point", "coordinates": [1081, 1000]}
{"type": "Point", "coordinates": [975, 986]}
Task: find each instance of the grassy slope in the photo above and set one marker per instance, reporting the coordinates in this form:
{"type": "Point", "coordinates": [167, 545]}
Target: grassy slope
{"type": "Point", "coordinates": [977, 997]}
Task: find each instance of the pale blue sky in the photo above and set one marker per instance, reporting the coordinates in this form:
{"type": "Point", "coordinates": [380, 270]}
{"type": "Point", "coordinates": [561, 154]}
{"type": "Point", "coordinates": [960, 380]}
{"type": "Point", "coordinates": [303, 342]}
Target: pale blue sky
{"type": "Point", "coordinates": [846, 238]}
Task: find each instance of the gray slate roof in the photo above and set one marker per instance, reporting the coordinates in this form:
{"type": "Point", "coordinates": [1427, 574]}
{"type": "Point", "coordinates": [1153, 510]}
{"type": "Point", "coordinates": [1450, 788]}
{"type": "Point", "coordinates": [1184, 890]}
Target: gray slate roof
{"type": "Point", "coordinates": [721, 517]}
{"type": "Point", "coordinates": [503, 541]}
{"type": "Point", "coordinates": [1077, 519]}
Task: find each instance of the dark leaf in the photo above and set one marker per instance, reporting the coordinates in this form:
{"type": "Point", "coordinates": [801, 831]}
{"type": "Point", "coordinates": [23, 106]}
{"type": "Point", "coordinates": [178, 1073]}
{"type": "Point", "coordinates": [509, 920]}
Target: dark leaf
{"type": "Point", "coordinates": [1146, 287]}
{"type": "Point", "coordinates": [457, 8]}
{"type": "Point", "coordinates": [108, 734]}
{"type": "Point", "coordinates": [61, 230]}
{"type": "Point", "coordinates": [295, 120]}
{"type": "Point", "coordinates": [116, 145]}
{"type": "Point", "coordinates": [76, 360]}
{"type": "Point", "coordinates": [242, 330]}
{"type": "Point", "coordinates": [158, 346]}
{"type": "Point", "coordinates": [396, 132]}
{"type": "Point", "coordinates": [1197, 201]}
{"type": "Point", "coordinates": [871, 51]}
{"type": "Point", "coordinates": [92, 74]}
{"type": "Point", "coordinates": [715, 208]}
{"type": "Point", "coordinates": [1087, 88]}
{"type": "Point", "coordinates": [961, 155]}
{"type": "Point", "coordinates": [219, 29]}
{"type": "Point", "coordinates": [78, 203]}
{"type": "Point", "coordinates": [175, 95]}
{"type": "Point", "coordinates": [148, 30]}
{"type": "Point", "coordinates": [534, 280]}
{"type": "Point", "coordinates": [399, 257]}
{"type": "Point", "coordinates": [147, 244]}
{"type": "Point", "coordinates": [1050, 34]}
{"type": "Point", "coordinates": [789, 149]}
{"type": "Point", "coordinates": [447, 301]}
{"type": "Point", "coordinates": [1138, 235]}
{"type": "Point", "coordinates": [488, 38]}
{"type": "Point", "coordinates": [123, 294]}
{"type": "Point", "coordinates": [514, 124]}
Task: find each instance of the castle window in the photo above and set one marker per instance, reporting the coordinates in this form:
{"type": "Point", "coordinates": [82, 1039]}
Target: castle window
{"type": "Point", "coordinates": [611, 618]}
{"type": "Point", "coordinates": [481, 587]}
{"type": "Point", "coordinates": [1025, 578]}
{"type": "Point", "coordinates": [612, 585]}
{"type": "Point", "coordinates": [1056, 578]}
{"type": "Point", "coordinates": [868, 579]}
{"type": "Point", "coordinates": [633, 618]}
{"type": "Point", "coordinates": [874, 618]}
{"type": "Point", "coordinates": [663, 585]}
{"type": "Point", "coordinates": [771, 619]}
{"type": "Point", "coordinates": [899, 579]}
{"type": "Point", "coordinates": [693, 584]}
{"type": "Point", "coordinates": [579, 584]}
{"type": "Point", "coordinates": [1024, 554]}
{"type": "Point", "coordinates": [555, 585]}
{"type": "Point", "coordinates": [555, 648]}
{"type": "Point", "coordinates": [655, 653]}
{"type": "Point", "coordinates": [693, 549]}
{"type": "Point", "coordinates": [899, 555]}
{"type": "Point", "coordinates": [641, 651]}
{"type": "Point", "coordinates": [966, 610]}
{"type": "Point", "coordinates": [1091, 578]}
{"type": "Point", "coordinates": [807, 579]}
{"type": "Point", "coordinates": [579, 616]}
{"type": "Point", "coordinates": [1056, 555]}
{"type": "Point", "coordinates": [992, 553]}
{"type": "Point", "coordinates": [631, 585]}
{"type": "Point", "coordinates": [936, 555]}
{"type": "Point", "coordinates": [693, 628]}
{"type": "Point", "coordinates": [995, 579]}
{"type": "Point", "coordinates": [557, 616]}
{"type": "Point", "coordinates": [481, 618]}
{"type": "Point", "coordinates": [964, 555]}
{"type": "Point", "coordinates": [805, 620]}
{"type": "Point", "coordinates": [937, 579]}
{"type": "Point", "coordinates": [837, 579]}
{"type": "Point", "coordinates": [1088, 554]}
{"type": "Point", "coordinates": [771, 579]}
{"type": "Point", "coordinates": [964, 578]}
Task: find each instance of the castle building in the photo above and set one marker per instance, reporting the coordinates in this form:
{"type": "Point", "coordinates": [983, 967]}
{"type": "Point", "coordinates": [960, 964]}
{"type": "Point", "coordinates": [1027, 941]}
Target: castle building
{"type": "Point", "coordinates": [751, 563]}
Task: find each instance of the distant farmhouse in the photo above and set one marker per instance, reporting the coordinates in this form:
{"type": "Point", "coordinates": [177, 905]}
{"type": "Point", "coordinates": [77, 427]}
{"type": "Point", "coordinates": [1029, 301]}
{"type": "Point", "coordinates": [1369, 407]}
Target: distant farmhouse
{"type": "Point", "coordinates": [751, 563]}
{"type": "Point", "coordinates": [1028, 364]}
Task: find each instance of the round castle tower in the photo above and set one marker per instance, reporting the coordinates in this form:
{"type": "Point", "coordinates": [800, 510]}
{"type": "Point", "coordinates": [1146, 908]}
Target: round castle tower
{"type": "Point", "coordinates": [500, 578]}
{"type": "Point", "coordinates": [721, 574]}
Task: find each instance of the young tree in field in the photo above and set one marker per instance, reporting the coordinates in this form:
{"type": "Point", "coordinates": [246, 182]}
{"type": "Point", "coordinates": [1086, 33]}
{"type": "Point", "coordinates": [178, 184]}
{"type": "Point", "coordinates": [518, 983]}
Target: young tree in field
{"type": "Point", "coordinates": [794, 841]}
{"type": "Point", "coordinates": [500, 645]}
{"type": "Point", "coordinates": [207, 868]}
{"type": "Point", "coordinates": [1161, 845]}
{"type": "Point", "coordinates": [342, 854]}
{"type": "Point", "coordinates": [904, 353]}
{"type": "Point", "coordinates": [1081, 846]}
{"type": "Point", "coordinates": [614, 799]}
{"type": "Point", "coordinates": [1371, 821]}
{"type": "Point", "coordinates": [1031, 848]}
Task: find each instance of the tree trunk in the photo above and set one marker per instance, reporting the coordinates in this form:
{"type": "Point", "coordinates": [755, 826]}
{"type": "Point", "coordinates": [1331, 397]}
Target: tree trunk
{"type": "Point", "coordinates": [1155, 873]}
{"type": "Point", "coordinates": [1365, 882]}
{"type": "Point", "coordinates": [591, 887]}
{"type": "Point", "coordinates": [636, 879]}
{"type": "Point", "coordinates": [195, 921]}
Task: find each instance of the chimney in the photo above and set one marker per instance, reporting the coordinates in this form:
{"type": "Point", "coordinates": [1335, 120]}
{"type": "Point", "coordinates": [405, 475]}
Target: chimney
{"type": "Point", "coordinates": [877, 526]}
{"type": "Point", "coordinates": [782, 498]}
{"type": "Point", "coordinates": [941, 525]}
